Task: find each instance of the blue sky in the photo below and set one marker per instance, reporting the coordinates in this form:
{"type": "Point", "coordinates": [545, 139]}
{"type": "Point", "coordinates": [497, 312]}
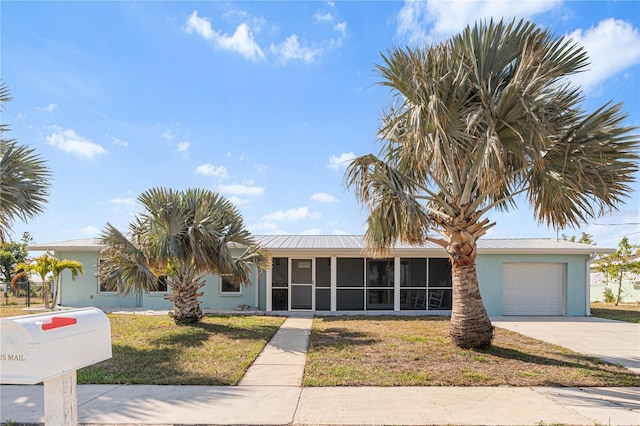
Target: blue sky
{"type": "Point", "coordinates": [260, 101]}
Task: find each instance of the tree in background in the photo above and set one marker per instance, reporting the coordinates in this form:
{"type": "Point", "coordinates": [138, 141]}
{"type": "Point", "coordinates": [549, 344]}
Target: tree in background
{"type": "Point", "coordinates": [182, 237]}
{"type": "Point", "coordinates": [479, 120]}
{"type": "Point", "coordinates": [12, 253]}
{"type": "Point", "coordinates": [618, 265]}
{"type": "Point", "coordinates": [24, 178]}
{"type": "Point", "coordinates": [584, 238]}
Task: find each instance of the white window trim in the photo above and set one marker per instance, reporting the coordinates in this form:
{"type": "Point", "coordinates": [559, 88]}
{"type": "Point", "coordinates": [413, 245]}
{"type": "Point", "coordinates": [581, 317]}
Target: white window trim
{"type": "Point", "coordinates": [228, 293]}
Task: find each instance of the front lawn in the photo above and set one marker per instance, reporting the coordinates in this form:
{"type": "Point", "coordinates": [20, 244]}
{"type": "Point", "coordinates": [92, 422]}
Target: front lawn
{"type": "Point", "coordinates": [416, 351]}
{"type": "Point", "coordinates": [154, 350]}
{"type": "Point", "coordinates": [629, 312]}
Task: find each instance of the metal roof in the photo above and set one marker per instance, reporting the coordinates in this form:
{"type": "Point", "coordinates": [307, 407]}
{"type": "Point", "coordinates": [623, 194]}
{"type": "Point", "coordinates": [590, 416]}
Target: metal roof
{"type": "Point", "coordinates": [355, 244]}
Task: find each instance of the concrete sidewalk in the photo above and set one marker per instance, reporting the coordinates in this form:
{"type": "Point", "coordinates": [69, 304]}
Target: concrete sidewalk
{"type": "Point", "coordinates": [270, 394]}
{"type": "Point", "coordinates": [284, 405]}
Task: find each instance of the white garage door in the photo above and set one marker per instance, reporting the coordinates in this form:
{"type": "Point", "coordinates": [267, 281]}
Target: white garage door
{"type": "Point", "coordinates": [533, 288]}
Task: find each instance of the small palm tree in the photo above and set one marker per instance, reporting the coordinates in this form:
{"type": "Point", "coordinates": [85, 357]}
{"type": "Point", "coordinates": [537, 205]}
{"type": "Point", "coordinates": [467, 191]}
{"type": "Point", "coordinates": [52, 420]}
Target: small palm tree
{"type": "Point", "coordinates": [182, 236]}
{"type": "Point", "coordinates": [24, 178]}
{"type": "Point", "coordinates": [481, 119]}
{"type": "Point", "coordinates": [58, 266]}
{"type": "Point", "coordinates": [48, 268]}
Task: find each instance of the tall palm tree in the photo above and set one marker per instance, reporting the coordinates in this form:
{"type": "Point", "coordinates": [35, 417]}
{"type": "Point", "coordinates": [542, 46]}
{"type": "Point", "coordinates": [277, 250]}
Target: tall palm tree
{"type": "Point", "coordinates": [182, 236]}
{"type": "Point", "coordinates": [479, 120]}
{"type": "Point", "coordinates": [24, 178]}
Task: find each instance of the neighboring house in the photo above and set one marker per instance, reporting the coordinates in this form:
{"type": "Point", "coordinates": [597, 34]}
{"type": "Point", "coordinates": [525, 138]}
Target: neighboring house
{"type": "Point", "coordinates": [333, 274]}
{"type": "Point", "coordinates": [630, 286]}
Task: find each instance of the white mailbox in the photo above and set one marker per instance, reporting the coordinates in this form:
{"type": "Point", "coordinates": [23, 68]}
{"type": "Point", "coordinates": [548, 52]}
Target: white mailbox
{"type": "Point", "coordinates": [38, 347]}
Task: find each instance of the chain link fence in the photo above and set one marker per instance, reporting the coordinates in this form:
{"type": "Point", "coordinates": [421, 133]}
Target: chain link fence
{"type": "Point", "coordinates": [24, 293]}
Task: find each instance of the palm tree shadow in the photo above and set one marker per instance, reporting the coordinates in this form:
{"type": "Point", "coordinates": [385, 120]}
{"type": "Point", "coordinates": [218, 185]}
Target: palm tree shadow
{"type": "Point", "coordinates": [195, 335]}
{"type": "Point", "coordinates": [594, 365]}
{"type": "Point", "coordinates": [160, 367]}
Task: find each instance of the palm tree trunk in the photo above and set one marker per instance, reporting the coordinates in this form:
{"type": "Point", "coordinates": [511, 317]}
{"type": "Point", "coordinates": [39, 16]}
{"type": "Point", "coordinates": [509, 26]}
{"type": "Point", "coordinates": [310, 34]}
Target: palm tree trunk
{"type": "Point", "coordinates": [186, 306]}
{"type": "Point", "coordinates": [45, 294]}
{"type": "Point", "coordinates": [470, 324]}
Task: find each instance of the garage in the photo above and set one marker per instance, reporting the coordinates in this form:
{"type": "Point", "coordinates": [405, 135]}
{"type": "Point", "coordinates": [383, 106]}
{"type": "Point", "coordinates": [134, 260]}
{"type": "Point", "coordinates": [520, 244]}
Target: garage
{"type": "Point", "coordinates": [533, 289]}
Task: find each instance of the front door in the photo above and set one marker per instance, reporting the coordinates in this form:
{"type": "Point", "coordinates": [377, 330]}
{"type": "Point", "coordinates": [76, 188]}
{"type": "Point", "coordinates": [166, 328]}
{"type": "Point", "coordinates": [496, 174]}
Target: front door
{"type": "Point", "coordinates": [301, 284]}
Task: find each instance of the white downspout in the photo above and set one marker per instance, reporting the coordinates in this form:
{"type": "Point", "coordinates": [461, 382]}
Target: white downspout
{"type": "Point", "coordinates": [588, 283]}
{"type": "Point", "coordinates": [256, 275]}
{"type": "Point", "coordinates": [268, 278]}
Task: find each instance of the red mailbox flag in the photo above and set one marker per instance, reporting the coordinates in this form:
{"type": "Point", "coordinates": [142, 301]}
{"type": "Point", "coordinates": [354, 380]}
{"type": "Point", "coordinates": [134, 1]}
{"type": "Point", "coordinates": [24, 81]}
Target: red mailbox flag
{"type": "Point", "coordinates": [57, 322]}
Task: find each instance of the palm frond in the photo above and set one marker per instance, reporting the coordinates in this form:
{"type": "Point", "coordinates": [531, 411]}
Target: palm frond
{"type": "Point", "coordinates": [587, 170]}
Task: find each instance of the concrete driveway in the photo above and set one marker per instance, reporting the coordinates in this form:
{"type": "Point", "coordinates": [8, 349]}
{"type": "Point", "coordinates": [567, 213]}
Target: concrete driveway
{"type": "Point", "coordinates": [612, 341]}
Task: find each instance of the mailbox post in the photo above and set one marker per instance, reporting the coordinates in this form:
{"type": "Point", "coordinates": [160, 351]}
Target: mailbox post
{"type": "Point", "coordinates": [50, 348]}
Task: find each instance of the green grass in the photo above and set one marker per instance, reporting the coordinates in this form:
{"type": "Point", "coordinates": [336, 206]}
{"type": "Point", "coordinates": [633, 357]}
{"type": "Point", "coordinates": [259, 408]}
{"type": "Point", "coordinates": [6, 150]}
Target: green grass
{"type": "Point", "coordinates": [154, 350]}
{"type": "Point", "coordinates": [416, 351]}
{"type": "Point", "coordinates": [628, 312]}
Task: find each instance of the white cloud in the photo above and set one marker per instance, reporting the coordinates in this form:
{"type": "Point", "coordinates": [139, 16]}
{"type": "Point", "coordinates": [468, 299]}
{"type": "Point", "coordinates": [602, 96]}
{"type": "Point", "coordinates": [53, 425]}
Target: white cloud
{"type": "Point", "coordinates": [323, 17]}
{"type": "Point", "coordinates": [260, 167]}
{"type": "Point", "coordinates": [117, 141]}
{"type": "Point", "coordinates": [241, 189]}
{"type": "Point", "coordinates": [89, 231]}
{"type": "Point", "coordinates": [241, 41]}
{"type": "Point", "coordinates": [168, 134]}
{"type": "Point", "coordinates": [291, 49]}
{"type": "Point", "coordinates": [48, 108]}
{"type": "Point", "coordinates": [237, 200]}
{"type": "Point", "coordinates": [183, 146]}
{"type": "Point", "coordinates": [312, 231]}
{"type": "Point", "coordinates": [127, 202]}
{"type": "Point", "coordinates": [266, 228]}
{"type": "Point", "coordinates": [339, 232]}
{"type": "Point", "coordinates": [323, 197]}
{"type": "Point", "coordinates": [447, 18]}
{"type": "Point", "coordinates": [291, 215]}
{"type": "Point", "coordinates": [341, 160]}
{"type": "Point", "coordinates": [341, 27]}
{"type": "Point", "coordinates": [67, 140]}
{"type": "Point", "coordinates": [211, 170]}
{"type": "Point", "coordinates": [613, 45]}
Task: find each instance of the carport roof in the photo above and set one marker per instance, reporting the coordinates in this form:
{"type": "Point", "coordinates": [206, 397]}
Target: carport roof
{"type": "Point", "coordinates": [355, 243]}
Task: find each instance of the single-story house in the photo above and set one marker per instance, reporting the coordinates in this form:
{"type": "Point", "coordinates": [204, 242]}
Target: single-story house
{"type": "Point", "coordinates": [333, 274]}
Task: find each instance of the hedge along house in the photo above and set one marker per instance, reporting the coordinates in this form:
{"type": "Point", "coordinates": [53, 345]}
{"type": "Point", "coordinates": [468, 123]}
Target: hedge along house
{"type": "Point", "coordinates": [333, 274]}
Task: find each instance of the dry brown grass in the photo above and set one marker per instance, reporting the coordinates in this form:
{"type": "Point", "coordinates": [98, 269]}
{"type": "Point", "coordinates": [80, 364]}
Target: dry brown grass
{"type": "Point", "coordinates": [410, 351]}
{"type": "Point", "coordinates": [17, 310]}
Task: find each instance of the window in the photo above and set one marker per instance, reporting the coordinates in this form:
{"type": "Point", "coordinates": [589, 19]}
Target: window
{"type": "Point", "coordinates": [227, 286]}
{"type": "Point", "coordinates": [413, 284]}
{"type": "Point", "coordinates": [350, 283]}
{"type": "Point", "coordinates": [323, 283]}
{"type": "Point", "coordinates": [102, 286]}
{"type": "Point", "coordinates": [364, 284]}
{"type": "Point", "coordinates": [280, 284]}
{"type": "Point", "coordinates": [380, 284]}
{"type": "Point", "coordinates": [161, 285]}
{"type": "Point", "coordinates": [439, 296]}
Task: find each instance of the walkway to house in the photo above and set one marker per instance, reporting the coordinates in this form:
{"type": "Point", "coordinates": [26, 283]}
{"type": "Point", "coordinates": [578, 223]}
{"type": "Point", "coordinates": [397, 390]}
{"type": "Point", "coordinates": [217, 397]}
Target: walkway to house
{"type": "Point", "coordinates": [270, 394]}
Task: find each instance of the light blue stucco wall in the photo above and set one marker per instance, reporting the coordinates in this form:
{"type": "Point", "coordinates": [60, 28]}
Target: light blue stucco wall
{"type": "Point", "coordinates": [84, 290]}
{"type": "Point", "coordinates": [490, 279]}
